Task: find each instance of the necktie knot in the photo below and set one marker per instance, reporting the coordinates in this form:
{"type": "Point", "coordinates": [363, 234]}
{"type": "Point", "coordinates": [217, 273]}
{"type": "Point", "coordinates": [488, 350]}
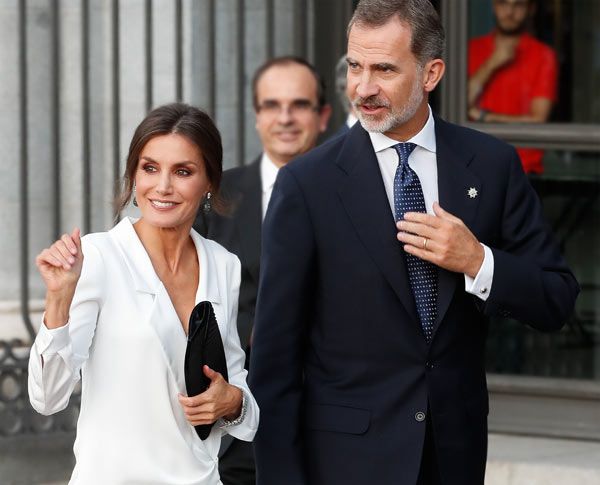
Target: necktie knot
{"type": "Point", "coordinates": [404, 172]}
{"type": "Point", "coordinates": [404, 150]}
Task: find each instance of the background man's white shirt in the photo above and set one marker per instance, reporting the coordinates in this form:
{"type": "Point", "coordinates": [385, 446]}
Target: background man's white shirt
{"type": "Point", "coordinates": [268, 174]}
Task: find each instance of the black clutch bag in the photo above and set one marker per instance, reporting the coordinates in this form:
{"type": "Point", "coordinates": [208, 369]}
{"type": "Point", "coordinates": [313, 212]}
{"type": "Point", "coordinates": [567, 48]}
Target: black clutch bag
{"type": "Point", "coordinates": [204, 347]}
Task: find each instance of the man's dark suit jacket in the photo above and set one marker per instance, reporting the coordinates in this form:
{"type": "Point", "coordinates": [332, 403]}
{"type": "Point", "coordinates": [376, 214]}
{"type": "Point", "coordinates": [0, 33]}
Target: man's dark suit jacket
{"type": "Point", "coordinates": [342, 130]}
{"type": "Point", "coordinates": [340, 367]}
{"type": "Point", "coordinates": [239, 232]}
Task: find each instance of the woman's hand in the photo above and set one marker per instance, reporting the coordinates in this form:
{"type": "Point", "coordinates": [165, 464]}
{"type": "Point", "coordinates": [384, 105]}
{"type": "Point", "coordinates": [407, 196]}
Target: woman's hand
{"type": "Point", "coordinates": [60, 264]}
{"type": "Point", "coordinates": [60, 268]}
{"type": "Point", "coordinates": [220, 400]}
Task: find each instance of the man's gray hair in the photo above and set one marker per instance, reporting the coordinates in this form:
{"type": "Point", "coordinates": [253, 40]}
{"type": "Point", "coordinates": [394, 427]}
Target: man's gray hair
{"type": "Point", "coordinates": [428, 38]}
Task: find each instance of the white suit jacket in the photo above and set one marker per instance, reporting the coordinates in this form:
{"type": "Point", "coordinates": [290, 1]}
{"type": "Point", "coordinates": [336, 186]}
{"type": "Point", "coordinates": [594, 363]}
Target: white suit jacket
{"type": "Point", "coordinates": [126, 338]}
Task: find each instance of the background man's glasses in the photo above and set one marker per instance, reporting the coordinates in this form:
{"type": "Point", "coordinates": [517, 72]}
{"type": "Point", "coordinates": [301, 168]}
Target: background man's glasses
{"type": "Point", "coordinates": [295, 108]}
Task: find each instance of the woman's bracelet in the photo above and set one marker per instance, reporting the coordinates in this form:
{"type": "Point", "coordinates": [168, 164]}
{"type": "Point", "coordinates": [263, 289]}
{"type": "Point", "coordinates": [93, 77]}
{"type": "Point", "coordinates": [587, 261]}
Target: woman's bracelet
{"type": "Point", "coordinates": [240, 418]}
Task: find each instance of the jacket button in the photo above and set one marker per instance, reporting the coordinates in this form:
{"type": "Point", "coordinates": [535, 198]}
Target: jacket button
{"type": "Point", "coordinates": [429, 365]}
{"type": "Point", "coordinates": [420, 416]}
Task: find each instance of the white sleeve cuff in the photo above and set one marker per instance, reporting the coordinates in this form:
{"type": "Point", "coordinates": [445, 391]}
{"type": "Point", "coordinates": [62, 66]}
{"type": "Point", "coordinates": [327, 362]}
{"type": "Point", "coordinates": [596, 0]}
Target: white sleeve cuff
{"type": "Point", "coordinates": [481, 286]}
{"type": "Point", "coordinates": [51, 341]}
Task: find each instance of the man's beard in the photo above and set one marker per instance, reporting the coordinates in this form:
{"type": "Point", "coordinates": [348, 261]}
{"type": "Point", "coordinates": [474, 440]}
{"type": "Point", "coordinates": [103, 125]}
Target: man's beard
{"type": "Point", "coordinates": [396, 116]}
{"type": "Point", "coordinates": [518, 30]}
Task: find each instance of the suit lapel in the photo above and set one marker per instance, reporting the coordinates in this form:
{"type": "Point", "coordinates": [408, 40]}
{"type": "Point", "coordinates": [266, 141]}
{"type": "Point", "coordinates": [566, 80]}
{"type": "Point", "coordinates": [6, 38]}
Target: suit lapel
{"type": "Point", "coordinates": [248, 215]}
{"type": "Point", "coordinates": [162, 316]}
{"type": "Point", "coordinates": [364, 198]}
{"type": "Point", "coordinates": [455, 182]}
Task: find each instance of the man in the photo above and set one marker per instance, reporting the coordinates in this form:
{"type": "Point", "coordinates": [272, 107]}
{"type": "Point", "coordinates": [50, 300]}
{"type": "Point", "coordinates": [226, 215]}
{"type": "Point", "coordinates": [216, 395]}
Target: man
{"type": "Point", "coordinates": [369, 342]}
{"type": "Point", "coordinates": [291, 112]}
{"type": "Point", "coordinates": [512, 76]}
{"type": "Point", "coordinates": [341, 69]}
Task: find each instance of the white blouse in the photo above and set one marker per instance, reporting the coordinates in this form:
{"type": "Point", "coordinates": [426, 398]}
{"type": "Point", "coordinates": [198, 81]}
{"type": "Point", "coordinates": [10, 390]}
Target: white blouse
{"type": "Point", "coordinates": [125, 337]}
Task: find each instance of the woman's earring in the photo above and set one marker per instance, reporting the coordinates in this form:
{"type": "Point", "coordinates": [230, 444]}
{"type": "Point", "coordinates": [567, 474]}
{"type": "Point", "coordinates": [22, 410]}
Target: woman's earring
{"type": "Point", "coordinates": [134, 201]}
{"type": "Point", "coordinates": [207, 206]}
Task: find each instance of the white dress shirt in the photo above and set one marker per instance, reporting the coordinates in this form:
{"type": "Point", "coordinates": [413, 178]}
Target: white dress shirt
{"type": "Point", "coordinates": [351, 120]}
{"type": "Point", "coordinates": [268, 174]}
{"type": "Point", "coordinates": [126, 339]}
{"type": "Point", "coordinates": [423, 160]}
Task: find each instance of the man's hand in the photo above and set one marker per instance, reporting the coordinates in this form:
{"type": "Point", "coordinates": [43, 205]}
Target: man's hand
{"type": "Point", "coordinates": [475, 114]}
{"type": "Point", "coordinates": [505, 50]}
{"type": "Point", "coordinates": [442, 239]}
{"type": "Point", "coordinates": [504, 53]}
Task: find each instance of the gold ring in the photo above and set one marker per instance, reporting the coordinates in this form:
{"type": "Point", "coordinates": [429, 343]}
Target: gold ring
{"type": "Point", "coordinates": [425, 242]}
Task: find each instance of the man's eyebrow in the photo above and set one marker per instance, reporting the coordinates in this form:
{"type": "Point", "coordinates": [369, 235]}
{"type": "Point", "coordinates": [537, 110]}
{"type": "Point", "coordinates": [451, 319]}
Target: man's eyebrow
{"type": "Point", "coordinates": [295, 100]}
{"type": "Point", "coordinates": [379, 65]}
{"type": "Point", "coordinates": [384, 65]}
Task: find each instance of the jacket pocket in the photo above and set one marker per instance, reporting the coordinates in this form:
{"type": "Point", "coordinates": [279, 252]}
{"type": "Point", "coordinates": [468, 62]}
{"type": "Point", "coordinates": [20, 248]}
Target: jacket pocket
{"type": "Point", "coordinates": [338, 419]}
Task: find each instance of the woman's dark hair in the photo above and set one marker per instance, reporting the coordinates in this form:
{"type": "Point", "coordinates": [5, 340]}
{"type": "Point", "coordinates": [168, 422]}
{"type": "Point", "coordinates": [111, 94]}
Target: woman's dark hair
{"type": "Point", "coordinates": [184, 120]}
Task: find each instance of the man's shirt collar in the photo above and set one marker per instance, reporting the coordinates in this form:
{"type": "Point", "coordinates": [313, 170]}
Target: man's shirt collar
{"type": "Point", "coordinates": [351, 120]}
{"type": "Point", "coordinates": [268, 172]}
{"type": "Point", "coordinates": [424, 138]}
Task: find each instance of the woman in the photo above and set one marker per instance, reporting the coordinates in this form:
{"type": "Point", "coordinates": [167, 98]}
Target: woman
{"type": "Point", "coordinates": [117, 308]}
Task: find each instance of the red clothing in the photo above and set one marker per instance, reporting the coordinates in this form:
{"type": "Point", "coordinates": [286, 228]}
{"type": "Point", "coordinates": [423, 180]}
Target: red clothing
{"type": "Point", "coordinates": [510, 90]}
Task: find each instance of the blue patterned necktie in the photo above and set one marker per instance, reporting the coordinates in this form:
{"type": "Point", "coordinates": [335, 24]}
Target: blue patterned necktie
{"type": "Point", "coordinates": [422, 275]}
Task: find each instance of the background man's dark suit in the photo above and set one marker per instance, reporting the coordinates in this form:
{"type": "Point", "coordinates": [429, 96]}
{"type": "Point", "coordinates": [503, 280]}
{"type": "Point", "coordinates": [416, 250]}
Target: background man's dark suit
{"type": "Point", "coordinates": [291, 111]}
{"type": "Point", "coordinates": [239, 232]}
{"type": "Point", "coordinates": [340, 366]}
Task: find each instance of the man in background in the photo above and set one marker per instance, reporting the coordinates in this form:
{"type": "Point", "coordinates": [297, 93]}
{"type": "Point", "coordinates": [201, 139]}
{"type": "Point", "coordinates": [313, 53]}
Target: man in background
{"type": "Point", "coordinates": [512, 76]}
{"type": "Point", "coordinates": [341, 69]}
{"type": "Point", "coordinates": [291, 113]}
